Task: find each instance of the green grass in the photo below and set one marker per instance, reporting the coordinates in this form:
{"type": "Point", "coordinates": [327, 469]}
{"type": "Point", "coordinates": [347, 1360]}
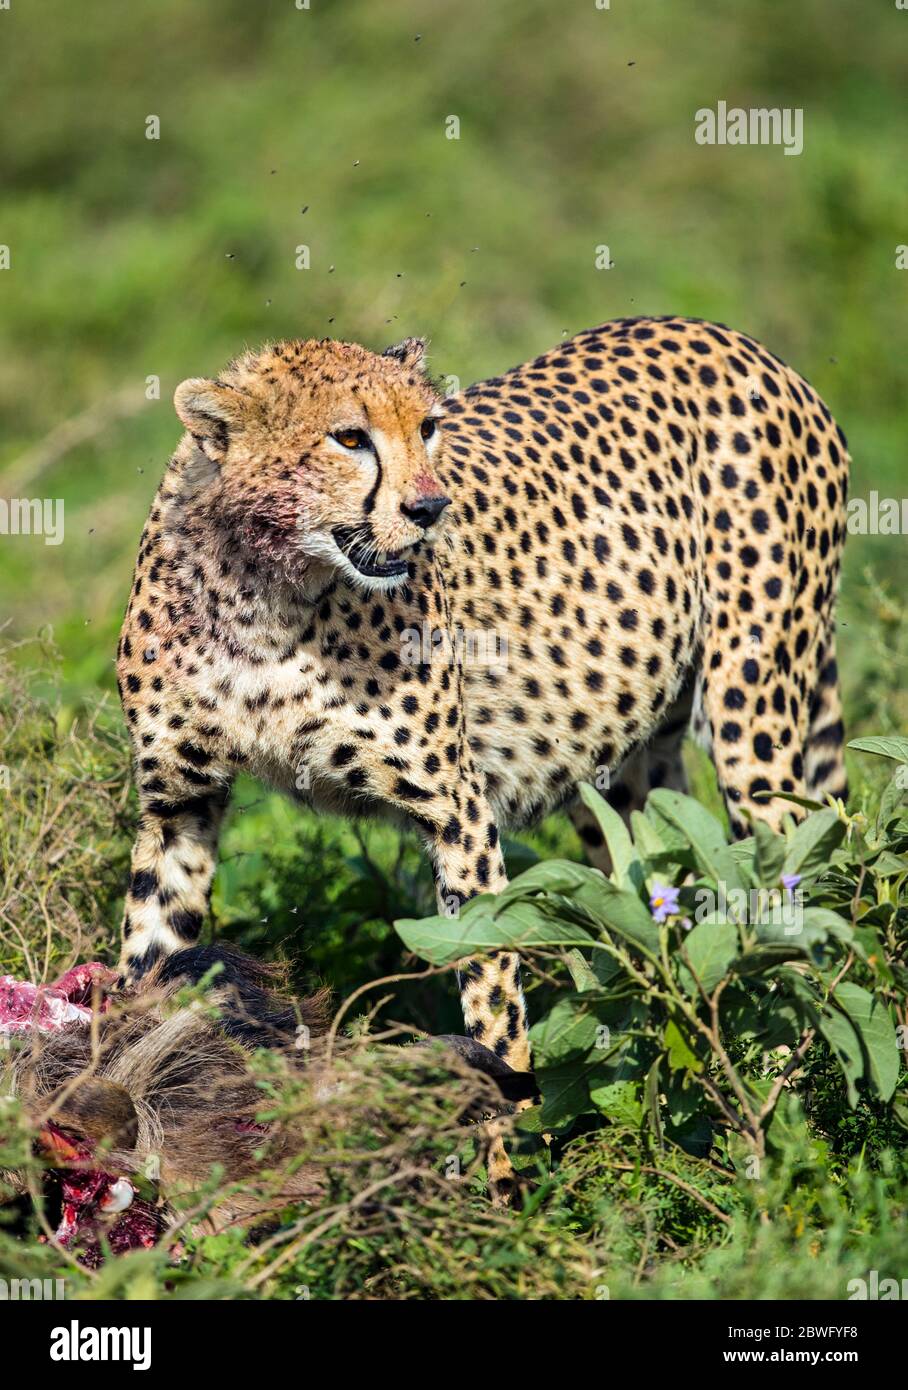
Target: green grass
{"type": "Point", "coordinates": [134, 259]}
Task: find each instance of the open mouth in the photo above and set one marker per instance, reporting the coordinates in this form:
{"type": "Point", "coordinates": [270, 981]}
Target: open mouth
{"type": "Point", "coordinates": [360, 551]}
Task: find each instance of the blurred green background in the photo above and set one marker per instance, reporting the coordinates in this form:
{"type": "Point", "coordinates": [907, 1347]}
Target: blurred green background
{"type": "Point", "coordinates": [326, 127]}
{"type": "Point", "coordinates": [133, 257]}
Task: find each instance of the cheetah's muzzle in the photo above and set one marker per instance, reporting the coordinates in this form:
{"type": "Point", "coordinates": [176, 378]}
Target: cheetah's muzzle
{"type": "Point", "coordinates": [359, 547]}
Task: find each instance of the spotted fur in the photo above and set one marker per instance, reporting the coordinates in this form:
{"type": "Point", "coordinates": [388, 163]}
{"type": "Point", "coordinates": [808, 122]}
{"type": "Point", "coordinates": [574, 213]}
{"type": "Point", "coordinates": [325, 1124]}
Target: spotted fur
{"type": "Point", "coordinates": [649, 518]}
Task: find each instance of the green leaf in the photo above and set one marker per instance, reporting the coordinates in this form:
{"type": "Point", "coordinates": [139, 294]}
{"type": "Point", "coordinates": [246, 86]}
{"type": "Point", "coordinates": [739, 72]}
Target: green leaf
{"type": "Point", "coordinates": [805, 801]}
{"type": "Point", "coordinates": [769, 854]}
{"type": "Point", "coordinates": [530, 1120]}
{"type": "Point", "coordinates": [675, 847]}
{"type": "Point", "coordinates": [781, 1021]}
{"type": "Point", "coordinates": [805, 928]}
{"type": "Point", "coordinates": [565, 1094]}
{"type": "Point", "coordinates": [869, 948]}
{"type": "Point", "coordinates": [887, 864]}
{"type": "Point", "coordinates": [703, 833]}
{"type": "Point", "coordinates": [572, 1028]}
{"type": "Point", "coordinates": [870, 1018]}
{"type": "Point", "coordinates": [591, 1025]}
{"type": "Point", "coordinates": [823, 919]}
{"type": "Point", "coordinates": [550, 876]}
{"type": "Point", "coordinates": [651, 1097]}
{"type": "Point", "coordinates": [812, 843]}
{"type": "Point", "coordinates": [838, 1030]}
{"type": "Point", "coordinates": [785, 1012]}
{"type": "Point", "coordinates": [778, 940]}
{"type": "Point", "coordinates": [893, 801]}
{"type": "Point", "coordinates": [444, 940]}
{"type": "Point", "coordinates": [684, 1098]}
{"type": "Point", "coordinates": [788, 1130]}
{"type": "Point", "coordinates": [581, 971]}
{"type": "Point", "coordinates": [626, 867]}
{"type": "Point", "coordinates": [587, 1040]}
{"type": "Point", "coordinates": [680, 1055]}
{"type": "Point", "coordinates": [892, 746]}
{"type": "Point", "coordinates": [710, 947]}
{"type": "Point", "coordinates": [740, 1015]}
{"type": "Point", "coordinates": [622, 911]}
{"type": "Point", "coordinates": [646, 836]}
{"type": "Point", "coordinates": [619, 1101]}
{"type": "Point", "coordinates": [605, 967]}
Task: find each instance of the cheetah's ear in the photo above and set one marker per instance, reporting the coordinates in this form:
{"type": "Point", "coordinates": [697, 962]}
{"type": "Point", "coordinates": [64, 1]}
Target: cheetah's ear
{"type": "Point", "coordinates": [211, 412]}
{"type": "Point", "coordinates": [410, 353]}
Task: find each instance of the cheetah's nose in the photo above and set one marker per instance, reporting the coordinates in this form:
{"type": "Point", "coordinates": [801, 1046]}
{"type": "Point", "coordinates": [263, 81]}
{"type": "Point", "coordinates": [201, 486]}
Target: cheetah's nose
{"type": "Point", "coordinates": [425, 511]}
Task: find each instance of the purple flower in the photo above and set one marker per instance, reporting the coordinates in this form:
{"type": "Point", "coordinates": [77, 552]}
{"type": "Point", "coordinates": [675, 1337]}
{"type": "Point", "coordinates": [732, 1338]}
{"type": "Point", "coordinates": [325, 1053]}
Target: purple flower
{"type": "Point", "coordinates": [790, 881]}
{"type": "Point", "coordinates": [663, 901]}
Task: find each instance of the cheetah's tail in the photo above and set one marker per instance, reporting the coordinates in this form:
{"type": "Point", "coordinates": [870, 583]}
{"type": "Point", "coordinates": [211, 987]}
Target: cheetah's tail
{"type": "Point", "coordinates": [824, 759]}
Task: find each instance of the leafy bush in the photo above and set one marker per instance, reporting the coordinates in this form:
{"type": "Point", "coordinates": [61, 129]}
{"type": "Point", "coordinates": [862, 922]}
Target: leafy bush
{"type": "Point", "coordinates": [701, 981]}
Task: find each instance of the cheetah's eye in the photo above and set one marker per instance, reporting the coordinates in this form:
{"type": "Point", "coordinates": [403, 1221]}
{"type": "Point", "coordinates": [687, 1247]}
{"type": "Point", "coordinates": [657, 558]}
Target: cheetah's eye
{"type": "Point", "coordinates": [428, 427]}
{"type": "Point", "coordinates": [352, 439]}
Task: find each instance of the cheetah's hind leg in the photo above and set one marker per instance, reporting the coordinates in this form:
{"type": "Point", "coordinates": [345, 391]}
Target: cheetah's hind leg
{"type": "Point", "coordinates": [658, 763]}
{"type": "Point", "coordinates": [824, 759]}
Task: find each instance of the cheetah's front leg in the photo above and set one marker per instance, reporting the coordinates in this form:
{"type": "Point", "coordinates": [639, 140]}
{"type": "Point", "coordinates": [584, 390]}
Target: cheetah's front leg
{"type": "Point", "coordinates": [173, 863]}
{"type": "Point", "coordinates": [491, 993]}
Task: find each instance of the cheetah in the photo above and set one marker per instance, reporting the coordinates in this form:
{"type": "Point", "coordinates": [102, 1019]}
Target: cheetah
{"type": "Point", "coordinates": [649, 518]}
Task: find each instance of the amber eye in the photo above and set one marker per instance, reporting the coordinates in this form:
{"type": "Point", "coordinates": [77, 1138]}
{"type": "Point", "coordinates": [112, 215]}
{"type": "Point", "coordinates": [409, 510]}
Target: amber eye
{"type": "Point", "coordinates": [352, 439]}
{"type": "Point", "coordinates": [428, 427]}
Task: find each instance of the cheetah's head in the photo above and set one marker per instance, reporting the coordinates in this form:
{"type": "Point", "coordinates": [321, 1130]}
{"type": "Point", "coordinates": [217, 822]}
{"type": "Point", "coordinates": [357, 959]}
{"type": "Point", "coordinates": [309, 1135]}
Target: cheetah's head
{"type": "Point", "coordinates": [324, 457]}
